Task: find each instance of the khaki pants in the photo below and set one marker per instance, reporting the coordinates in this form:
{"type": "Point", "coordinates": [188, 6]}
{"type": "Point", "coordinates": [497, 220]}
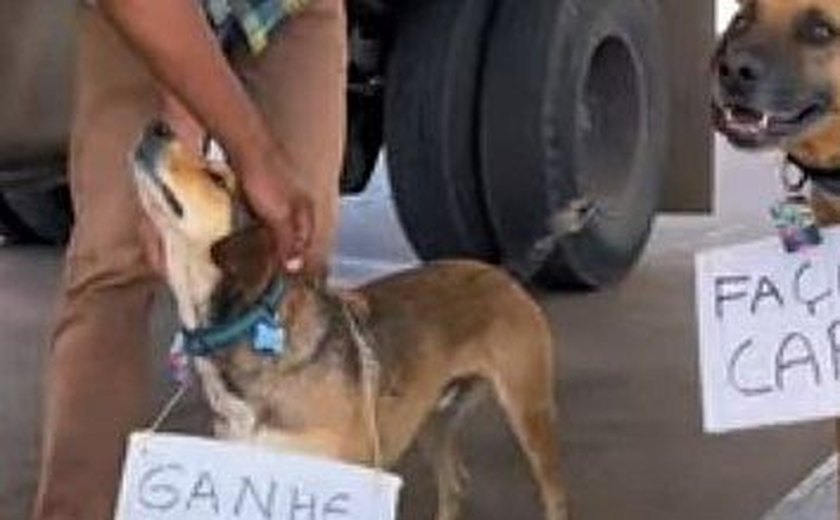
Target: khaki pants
{"type": "Point", "coordinates": [99, 374]}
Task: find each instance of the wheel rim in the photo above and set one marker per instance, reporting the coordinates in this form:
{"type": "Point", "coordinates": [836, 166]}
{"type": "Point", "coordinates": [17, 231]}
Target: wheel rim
{"type": "Point", "coordinates": [585, 139]}
{"type": "Point", "coordinates": [610, 118]}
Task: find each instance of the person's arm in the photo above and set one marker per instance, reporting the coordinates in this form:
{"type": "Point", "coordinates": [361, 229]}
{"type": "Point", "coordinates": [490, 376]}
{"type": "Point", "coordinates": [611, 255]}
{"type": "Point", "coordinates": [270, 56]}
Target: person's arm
{"type": "Point", "coordinates": [178, 45]}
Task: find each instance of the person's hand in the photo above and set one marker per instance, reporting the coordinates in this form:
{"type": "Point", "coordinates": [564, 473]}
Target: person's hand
{"type": "Point", "coordinates": [272, 194]}
{"type": "Point", "coordinates": [281, 205]}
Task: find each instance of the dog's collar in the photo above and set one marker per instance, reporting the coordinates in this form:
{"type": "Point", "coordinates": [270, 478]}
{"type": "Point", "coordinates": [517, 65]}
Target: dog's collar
{"type": "Point", "coordinates": [259, 326]}
{"type": "Point", "coordinates": [825, 179]}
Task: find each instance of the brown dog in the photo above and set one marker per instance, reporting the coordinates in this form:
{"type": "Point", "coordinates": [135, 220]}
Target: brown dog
{"type": "Point", "coordinates": [363, 374]}
{"type": "Point", "coordinates": [777, 85]}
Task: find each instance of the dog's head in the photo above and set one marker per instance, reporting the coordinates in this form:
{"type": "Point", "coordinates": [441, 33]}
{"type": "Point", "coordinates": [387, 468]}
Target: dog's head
{"type": "Point", "coordinates": [777, 73]}
{"type": "Point", "coordinates": [220, 268]}
{"type": "Point", "coordinates": [183, 194]}
{"type": "Point", "coordinates": [192, 201]}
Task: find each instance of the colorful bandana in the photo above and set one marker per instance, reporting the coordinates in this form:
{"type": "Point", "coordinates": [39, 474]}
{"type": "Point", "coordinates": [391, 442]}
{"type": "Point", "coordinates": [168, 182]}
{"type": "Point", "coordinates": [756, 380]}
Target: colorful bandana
{"type": "Point", "coordinates": [251, 20]}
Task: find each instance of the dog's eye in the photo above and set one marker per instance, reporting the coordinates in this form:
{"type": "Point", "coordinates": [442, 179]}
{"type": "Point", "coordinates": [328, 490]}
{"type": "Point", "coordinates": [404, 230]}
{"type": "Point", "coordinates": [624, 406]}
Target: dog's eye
{"type": "Point", "coordinates": [739, 23]}
{"type": "Point", "coordinates": [217, 179]}
{"type": "Point", "coordinates": [743, 18]}
{"type": "Point", "coordinates": [816, 30]}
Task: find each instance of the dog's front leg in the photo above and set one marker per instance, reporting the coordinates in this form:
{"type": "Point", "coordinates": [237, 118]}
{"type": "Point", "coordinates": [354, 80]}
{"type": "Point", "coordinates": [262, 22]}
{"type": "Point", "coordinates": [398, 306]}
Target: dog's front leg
{"type": "Point", "coordinates": [234, 418]}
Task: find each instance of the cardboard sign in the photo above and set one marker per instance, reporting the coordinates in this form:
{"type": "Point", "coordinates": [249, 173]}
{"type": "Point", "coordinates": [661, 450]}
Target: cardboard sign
{"type": "Point", "coordinates": [769, 333]}
{"type": "Point", "coordinates": [173, 477]}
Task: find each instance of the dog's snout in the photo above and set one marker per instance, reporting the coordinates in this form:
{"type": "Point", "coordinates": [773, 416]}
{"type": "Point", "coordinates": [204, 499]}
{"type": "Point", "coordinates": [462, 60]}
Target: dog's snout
{"type": "Point", "coordinates": [741, 72]}
{"type": "Point", "coordinates": [161, 130]}
{"type": "Point", "coordinates": [154, 140]}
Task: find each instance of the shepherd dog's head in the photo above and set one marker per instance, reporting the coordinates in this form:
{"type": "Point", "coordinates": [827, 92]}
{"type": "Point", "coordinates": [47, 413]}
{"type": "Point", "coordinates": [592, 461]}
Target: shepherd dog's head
{"type": "Point", "coordinates": [777, 77]}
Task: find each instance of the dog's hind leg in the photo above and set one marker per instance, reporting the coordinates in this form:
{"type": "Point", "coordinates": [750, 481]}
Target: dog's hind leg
{"type": "Point", "coordinates": [527, 400]}
{"type": "Point", "coordinates": [440, 446]}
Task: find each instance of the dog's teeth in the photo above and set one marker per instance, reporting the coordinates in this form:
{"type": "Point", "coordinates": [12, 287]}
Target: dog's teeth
{"type": "Point", "coordinates": [727, 113]}
{"type": "Point", "coordinates": [765, 122]}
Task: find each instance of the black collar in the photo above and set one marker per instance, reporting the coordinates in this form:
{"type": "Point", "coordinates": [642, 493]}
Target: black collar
{"type": "Point", "coordinates": [825, 179]}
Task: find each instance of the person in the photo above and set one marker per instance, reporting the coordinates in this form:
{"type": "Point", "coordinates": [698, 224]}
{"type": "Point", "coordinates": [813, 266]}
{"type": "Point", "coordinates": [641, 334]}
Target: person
{"type": "Point", "coordinates": [276, 104]}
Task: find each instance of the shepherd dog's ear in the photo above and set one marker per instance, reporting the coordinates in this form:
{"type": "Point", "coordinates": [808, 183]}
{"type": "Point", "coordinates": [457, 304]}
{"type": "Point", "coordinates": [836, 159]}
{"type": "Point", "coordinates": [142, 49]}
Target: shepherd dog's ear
{"type": "Point", "coordinates": [248, 263]}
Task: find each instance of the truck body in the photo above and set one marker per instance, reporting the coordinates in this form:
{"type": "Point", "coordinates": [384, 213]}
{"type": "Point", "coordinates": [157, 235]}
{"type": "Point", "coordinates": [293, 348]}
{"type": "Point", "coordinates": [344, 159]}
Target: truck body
{"type": "Point", "coordinates": [542, 135]}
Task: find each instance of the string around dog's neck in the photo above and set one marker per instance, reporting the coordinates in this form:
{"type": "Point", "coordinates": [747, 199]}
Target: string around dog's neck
{"type": "Point", "coordinates": [826, 180]}
{"type": "Point", "coordinates": [259, 326]}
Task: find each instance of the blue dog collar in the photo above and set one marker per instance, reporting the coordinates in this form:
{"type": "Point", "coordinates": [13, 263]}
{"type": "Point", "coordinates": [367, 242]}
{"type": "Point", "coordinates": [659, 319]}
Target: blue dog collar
{"type": "Point", "coordinates": [260, 327]}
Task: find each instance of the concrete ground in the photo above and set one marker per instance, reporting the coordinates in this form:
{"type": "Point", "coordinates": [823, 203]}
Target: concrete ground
{"type": "Point", "coordinates": [815, 498]}
{"type": "Point", "coordinates": [627, 394]}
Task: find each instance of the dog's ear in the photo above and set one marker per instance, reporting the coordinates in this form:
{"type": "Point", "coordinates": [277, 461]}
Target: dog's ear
{"type": "Point", "coordinates": [247, 261]}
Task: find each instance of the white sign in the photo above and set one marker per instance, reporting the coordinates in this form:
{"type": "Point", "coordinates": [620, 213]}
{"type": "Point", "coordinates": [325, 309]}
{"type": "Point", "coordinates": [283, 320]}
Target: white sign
{"type": "Point", "coordinates": [174, 477]}
{"type": "Point", "coordinates": [769, 333]}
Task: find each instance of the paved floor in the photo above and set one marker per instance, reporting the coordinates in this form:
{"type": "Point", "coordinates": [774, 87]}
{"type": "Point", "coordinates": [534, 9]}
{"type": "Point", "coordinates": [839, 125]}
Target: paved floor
{"type": "Point", "coordinates": [815, 498]}
{"type": "Point", "coordinates": [628, 385]}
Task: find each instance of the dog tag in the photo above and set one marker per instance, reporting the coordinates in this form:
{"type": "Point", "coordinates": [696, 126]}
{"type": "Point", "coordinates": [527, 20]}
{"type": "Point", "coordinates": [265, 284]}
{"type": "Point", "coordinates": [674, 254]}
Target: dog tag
{"type": "Point", "coordinates": [795, 222]}
{"type": "Point", "coordinates": [269, 338]}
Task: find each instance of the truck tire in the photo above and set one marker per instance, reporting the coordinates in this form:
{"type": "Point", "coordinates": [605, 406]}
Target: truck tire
{"type": "Point", "coordinates": [364, 143]}
{"type": "Point", "coordinates": [573, 110]}
{"type": "Point", "coordinates": [41, 215]}
{"type": "Point", "coordinates": [431, 127]}
{"type": "Point", "coordinates": [12, 228]}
